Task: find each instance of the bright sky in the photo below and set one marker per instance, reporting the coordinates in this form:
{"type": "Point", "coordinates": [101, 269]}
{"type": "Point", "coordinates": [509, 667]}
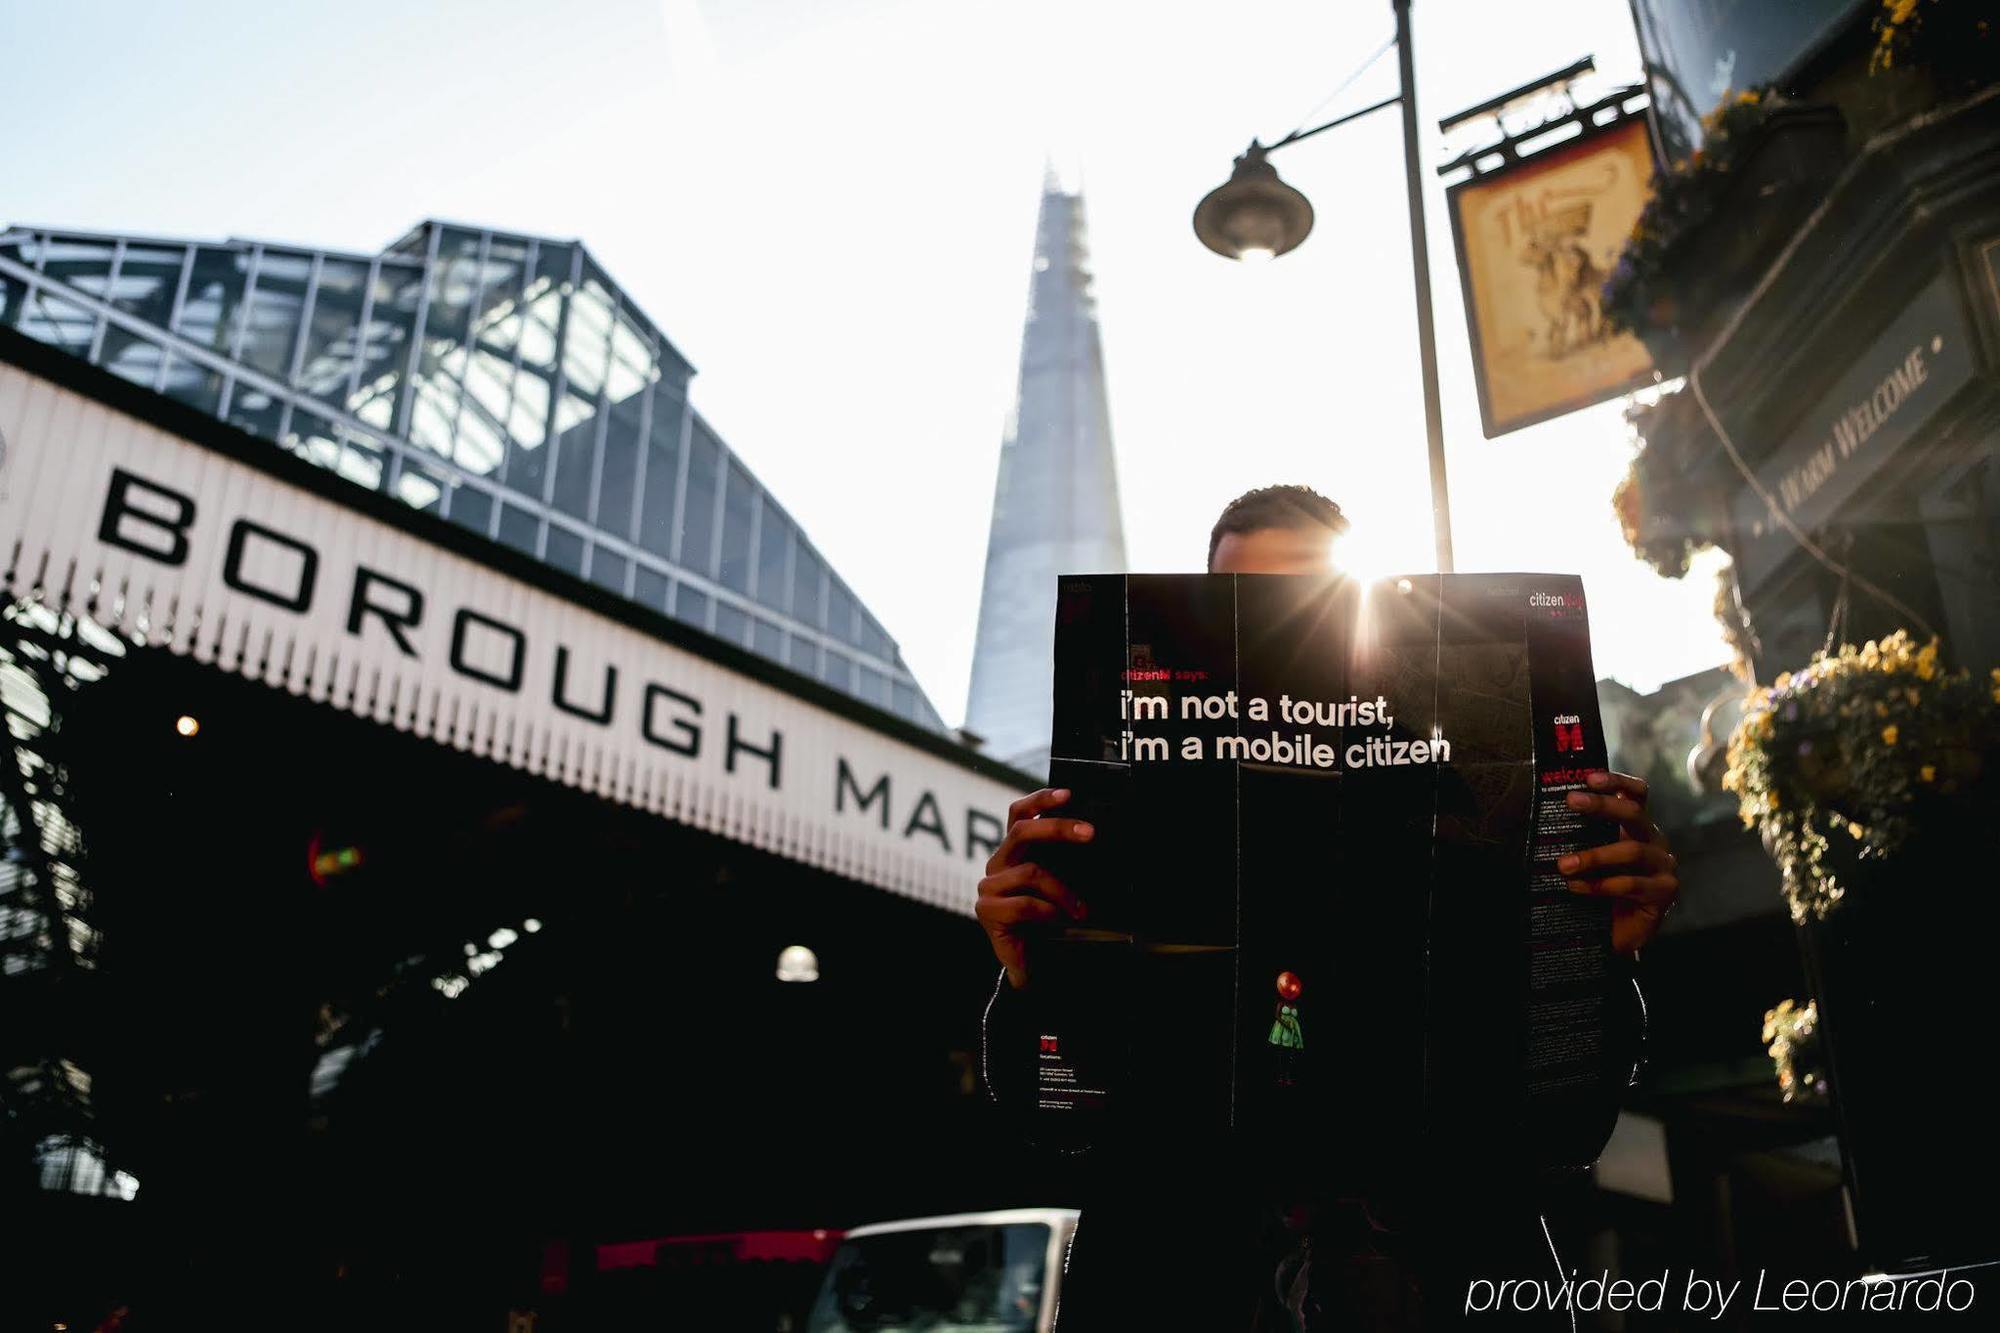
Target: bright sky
{"type": "Point", "coordinates": [829, 206]}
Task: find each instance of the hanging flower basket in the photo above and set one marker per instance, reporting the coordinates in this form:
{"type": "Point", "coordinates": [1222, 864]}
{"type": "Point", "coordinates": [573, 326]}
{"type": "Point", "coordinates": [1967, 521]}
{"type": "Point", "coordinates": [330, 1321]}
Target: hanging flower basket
{"type": "Point", "coordinates": [1950, 47]}
{"type": "Point", "coordinates": [1763, 164]}
{"type": "Point", "coordinates": [1791, 1035]}
{"type": "Point", "coordinates": [1838, 765]}
{"type": "Point", "coordinates": [1665, 518]}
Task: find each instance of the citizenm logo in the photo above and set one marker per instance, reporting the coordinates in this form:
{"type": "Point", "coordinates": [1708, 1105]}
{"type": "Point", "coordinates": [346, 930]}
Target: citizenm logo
{"type": "Point", "coordinates": [1569, 733]}
{"type": "Point", "coordinates": [1558, 606]}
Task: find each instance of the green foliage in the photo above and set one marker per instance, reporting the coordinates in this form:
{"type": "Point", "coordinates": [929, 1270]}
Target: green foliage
{"type": "Point", "coordinates": [1955, 42]}
{"type": "Point", "coordinates": [1791, 1035]}
{"type": "Point", "coordinates": [1641, 488]}
{"type": "Point", "coordinates": [1861, 745]}
{"type": "Point", "coordinates": [1639, 293]}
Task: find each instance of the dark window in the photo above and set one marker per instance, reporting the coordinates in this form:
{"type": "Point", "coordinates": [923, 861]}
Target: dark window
{"type": "Point", "coordinates": [607, 569]}
{"type": "Point", "coordinates": [620, 470]}
{"type": "Point", "coordinates": [472, 508]}
{"type": "Point", "coordinates": [698, 515]}
{"type": "Point", "coordinates": [385, 344]}
{"type": "Point", "coordinates": [565, 550]}
{"type": "Point", "coordinates": [650, 588]}
{"type": "Point", "coordinates": [1701, 54]}
{"type": "Point", "coordinates": [332, 331]}
{"type": "Point", "coordinates": [738, 505]}
{"type": "Point", "coordinates": [576, 454]}
{"type": "Point", "coordinates": [731, 623]}
{"type": "Point", "coordinates": [518, 528]}
{"type": "Point", "coordinates": [656, 508]}
{"type": "Point", "coordinates": [147, 281]}
{"type": "Point", "coordinates": [255, 411]}
{"type": "Point", "coordinates": [214, 301]}
{"type": "Point", "coordinates": [51, 319]}
{"type": "Point", "coordinates": [272, 324]}
{"type": "Point", "coordinates": [803, 654]}
{"type": "Point", "coordinates": [770, 640]}
{"type": "Point", "coordinates": [840, 608]}
{"type": "Point", "coordinates": [692, 606]}
{"type": "Point", "coordinates": [774, 548]}
{"type": "Point", "coordinates": [193, 384]}
{"type": "Point", "coordinates": [806, 571]}
{"type": "Point", "coordinates": [445, 355]}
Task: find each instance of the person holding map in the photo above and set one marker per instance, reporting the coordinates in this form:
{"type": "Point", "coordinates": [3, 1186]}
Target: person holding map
{"type": "Point", "coordinates": [1223, 1236]}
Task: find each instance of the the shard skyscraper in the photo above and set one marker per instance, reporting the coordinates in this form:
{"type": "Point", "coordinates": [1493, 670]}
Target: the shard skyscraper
{"type": "Point", "coordinates": [1055, 505]}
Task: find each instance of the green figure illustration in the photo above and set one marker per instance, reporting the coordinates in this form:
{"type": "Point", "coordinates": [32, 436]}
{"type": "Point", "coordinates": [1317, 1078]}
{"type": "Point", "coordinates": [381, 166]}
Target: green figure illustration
{"type": "Point", "coordinates": [1286, 1034]}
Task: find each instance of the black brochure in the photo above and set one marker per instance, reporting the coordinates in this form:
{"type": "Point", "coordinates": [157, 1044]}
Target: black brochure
{"type": "Point", "coordinates": [1322, 901]}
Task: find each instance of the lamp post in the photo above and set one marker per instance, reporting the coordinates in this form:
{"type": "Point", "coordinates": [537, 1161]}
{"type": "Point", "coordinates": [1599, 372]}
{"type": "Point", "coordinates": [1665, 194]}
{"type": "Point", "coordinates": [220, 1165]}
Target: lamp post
{"type": "Point", "coordinates": [1255, 216]}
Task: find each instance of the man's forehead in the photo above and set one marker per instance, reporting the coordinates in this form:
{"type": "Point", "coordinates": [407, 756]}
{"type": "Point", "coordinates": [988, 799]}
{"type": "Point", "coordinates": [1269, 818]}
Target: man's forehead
{"type": "Point", "coordinates": [1278, 550]}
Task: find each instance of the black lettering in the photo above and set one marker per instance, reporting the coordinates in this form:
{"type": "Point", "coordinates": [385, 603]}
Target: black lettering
{"type": "Point", "coordinates": [926, 818]}
{"type": "Point", "coordinates": [736, 743]}
{"type": "Point", "coordinates": [602, 717]}
{"type": "Point", "coordinates": [843, 783]}
{"type": "Point", "coordinates": [118, 507]}
{"type": "Point", "coordinates": [690, 742]}
{"type": "Point", "coordinates": [982, 833]}
{"type": "Point", "coordinates": [240, 533]}
{"type": "Point", "coordinates": [360, 607]}
{"type": "Point", "coordinates": [464, 620]}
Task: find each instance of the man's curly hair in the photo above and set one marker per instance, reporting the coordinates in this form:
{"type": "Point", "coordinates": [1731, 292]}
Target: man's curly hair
{"type": "Point", "coordinates": [1276, 507]}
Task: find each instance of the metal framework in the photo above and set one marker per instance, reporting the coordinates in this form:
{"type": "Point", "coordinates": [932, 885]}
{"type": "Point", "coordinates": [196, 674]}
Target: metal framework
{"type": "Point", "coordinates": [486, 377]}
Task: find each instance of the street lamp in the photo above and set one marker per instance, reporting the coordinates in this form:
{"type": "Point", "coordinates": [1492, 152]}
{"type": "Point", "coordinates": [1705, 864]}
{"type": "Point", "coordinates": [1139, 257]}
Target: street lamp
{"type": "Point", "coordinates": [1255, 216]}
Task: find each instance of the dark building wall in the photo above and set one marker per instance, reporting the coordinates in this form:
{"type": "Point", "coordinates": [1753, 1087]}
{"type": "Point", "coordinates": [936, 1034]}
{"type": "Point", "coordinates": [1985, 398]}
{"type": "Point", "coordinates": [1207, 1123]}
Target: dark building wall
{"type": "Point", "coordinates": [307, 1109]}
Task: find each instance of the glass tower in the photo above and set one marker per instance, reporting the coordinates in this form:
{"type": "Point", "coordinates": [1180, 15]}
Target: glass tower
{"type": "Point", "coordinates": [502, 382]}
{"type": "Point", "coordinates": [1055, 504]}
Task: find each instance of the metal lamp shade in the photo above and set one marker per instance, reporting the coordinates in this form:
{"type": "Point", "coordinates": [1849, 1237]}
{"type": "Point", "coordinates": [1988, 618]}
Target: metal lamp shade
{"type": "Point", "coordinates": [1254, 211]}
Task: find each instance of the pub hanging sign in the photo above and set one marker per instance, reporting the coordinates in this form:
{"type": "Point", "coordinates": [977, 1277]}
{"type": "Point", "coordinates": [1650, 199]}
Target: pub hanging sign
{"type": "Point", "coordinates": [1536, 240]}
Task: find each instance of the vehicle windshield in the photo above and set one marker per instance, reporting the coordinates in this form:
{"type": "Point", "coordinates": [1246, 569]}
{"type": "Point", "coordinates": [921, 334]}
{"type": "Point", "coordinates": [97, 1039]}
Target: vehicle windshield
{"type": "Point", "coordinates": [962, 1279]}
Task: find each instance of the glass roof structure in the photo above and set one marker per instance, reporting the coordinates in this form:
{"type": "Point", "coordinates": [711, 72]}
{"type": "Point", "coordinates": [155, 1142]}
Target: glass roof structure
{"type": "Point", "coordinates": [501, 382]}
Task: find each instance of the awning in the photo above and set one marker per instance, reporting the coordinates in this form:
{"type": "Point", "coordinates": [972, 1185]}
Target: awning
{"type": "Point", "coordinates": [175, 531]}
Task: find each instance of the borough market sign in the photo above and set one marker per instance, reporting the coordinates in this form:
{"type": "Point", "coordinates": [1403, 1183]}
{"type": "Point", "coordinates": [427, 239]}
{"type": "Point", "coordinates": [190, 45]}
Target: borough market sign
{"type": "Point", "coordinates": [178, 546]}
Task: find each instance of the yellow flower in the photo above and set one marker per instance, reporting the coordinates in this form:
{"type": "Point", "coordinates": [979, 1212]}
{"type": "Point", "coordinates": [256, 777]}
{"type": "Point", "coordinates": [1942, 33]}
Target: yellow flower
{"type": "Point", "coordinates": [1881, 709]}
{"type": "Point", "coordinates": [1928, 772]}
{"type": "Point", "coordinates": [1889, 734]}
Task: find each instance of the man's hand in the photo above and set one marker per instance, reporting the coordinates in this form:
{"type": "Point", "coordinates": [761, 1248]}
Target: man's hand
{"type": "Point", "coordinates": [1636, 872]}
{"type": "Point", "coordinates": [1018, 894]}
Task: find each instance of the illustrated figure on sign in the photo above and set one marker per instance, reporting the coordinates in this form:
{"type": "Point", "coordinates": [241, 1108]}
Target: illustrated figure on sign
{"type": "Point", "coordinates": [1567, 281]}
{"type": "Point", "coordinates": [1286, 1034]}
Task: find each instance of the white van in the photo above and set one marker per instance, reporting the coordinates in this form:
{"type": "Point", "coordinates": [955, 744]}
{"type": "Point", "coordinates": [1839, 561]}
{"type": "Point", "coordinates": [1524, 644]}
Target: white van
{"type": "Point", "coordinates": [991, 1272]}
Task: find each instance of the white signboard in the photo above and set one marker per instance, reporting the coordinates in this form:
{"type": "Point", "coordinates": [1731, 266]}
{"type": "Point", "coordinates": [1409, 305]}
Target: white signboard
{"type": "Point", "coordinates": [176, 546]}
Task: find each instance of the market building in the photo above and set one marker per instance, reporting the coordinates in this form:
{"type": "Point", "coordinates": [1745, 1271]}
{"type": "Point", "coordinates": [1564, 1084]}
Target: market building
{"type": "Point", "coordinates": [450, 807]}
